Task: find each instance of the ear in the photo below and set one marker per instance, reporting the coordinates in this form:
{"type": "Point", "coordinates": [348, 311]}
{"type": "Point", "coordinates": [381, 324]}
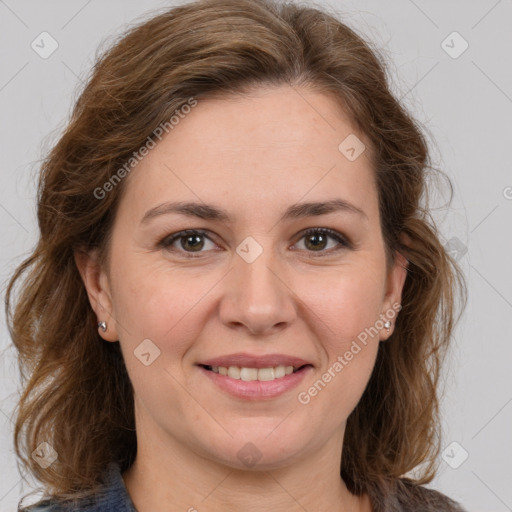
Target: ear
{"type": "Point", "coordinates": [97, 284]}
{"type": "Point", "coordinates": [394, 285]}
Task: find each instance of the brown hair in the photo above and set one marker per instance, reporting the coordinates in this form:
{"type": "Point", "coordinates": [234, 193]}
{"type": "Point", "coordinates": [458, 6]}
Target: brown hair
{"type": "Point", "coordinates": [77, 395]}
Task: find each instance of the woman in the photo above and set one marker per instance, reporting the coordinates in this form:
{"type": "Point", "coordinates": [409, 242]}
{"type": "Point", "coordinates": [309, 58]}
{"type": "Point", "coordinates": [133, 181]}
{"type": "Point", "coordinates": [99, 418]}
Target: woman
{"type": "Point", "coordinates": [238, 300]}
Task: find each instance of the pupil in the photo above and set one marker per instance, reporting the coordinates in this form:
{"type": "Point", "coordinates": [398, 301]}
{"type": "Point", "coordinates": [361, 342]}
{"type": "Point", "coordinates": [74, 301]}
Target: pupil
{"type": "Point", "coordinates": [317, 236]}
{"type": "Point", "coordinates": [197, 238]}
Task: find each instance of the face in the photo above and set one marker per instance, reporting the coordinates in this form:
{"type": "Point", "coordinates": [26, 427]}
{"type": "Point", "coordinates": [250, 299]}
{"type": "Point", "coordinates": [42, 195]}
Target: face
{"type": "Point", "coordinates": [257, 276]}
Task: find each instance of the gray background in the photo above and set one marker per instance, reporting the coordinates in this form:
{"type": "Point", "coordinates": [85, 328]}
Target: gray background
{"type": "Point", "coordinates": [465, 104]}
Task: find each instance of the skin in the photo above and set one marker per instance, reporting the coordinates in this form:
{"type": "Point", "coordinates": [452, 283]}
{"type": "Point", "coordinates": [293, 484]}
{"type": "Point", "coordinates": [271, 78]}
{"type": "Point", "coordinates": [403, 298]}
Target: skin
{"type": "Point", "coordinates": [254, 156]}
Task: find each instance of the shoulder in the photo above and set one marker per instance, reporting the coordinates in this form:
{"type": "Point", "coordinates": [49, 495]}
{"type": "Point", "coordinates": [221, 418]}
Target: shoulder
{"type": "Point", "coordinates": [44, 506]}
{"type": "Point", "coordinates": [56, 505]}
{"type": "Point", "coordinates": [417, 498]}
{"type": "Point", "coordinates": [113, 496]}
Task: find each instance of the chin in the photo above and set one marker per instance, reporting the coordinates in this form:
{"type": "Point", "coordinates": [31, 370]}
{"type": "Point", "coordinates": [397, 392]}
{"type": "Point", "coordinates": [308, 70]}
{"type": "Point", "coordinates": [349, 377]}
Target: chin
{"type": "Point", "coordinates": [259, 452]}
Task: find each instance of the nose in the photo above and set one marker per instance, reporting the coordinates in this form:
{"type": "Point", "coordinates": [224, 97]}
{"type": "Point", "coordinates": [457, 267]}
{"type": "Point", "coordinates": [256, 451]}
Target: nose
{"type": "Point", "coordinates": [257, 296]}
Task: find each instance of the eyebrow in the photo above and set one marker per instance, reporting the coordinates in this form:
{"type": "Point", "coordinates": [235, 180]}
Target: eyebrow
{"type": "Point", "coordinates": [211, 212]}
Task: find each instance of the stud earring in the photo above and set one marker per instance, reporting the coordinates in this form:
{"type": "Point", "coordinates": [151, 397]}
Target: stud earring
{"type": "Point", "coordinates": [102, 325]}
{"type": "Point", "coordinates": [387, 325]}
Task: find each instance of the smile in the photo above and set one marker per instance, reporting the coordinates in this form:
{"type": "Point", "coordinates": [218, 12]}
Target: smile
{"type": "Point", "coordinates": [251, 374]}
{"type": "Point", "coordinates": [255, 383]}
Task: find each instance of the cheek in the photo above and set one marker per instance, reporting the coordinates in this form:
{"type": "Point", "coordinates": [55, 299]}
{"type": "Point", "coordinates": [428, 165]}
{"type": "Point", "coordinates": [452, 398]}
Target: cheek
{"type": "Point", "coordinates": [346, 303]}
{"type": "Point", "coordinates": [152, 304]}
{"type": "Point", "coordinates": [345, 311]}
{"type": "Point", "coordinates": [162, 305]}
{"type": "Point", "coordinates": [349, 345]}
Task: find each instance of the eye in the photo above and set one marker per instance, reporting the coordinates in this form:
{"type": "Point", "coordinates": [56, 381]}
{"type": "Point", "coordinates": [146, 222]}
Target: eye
{"type": "Point", "coordinates": [316, 240]}
{"type": "Point", "coordinates": [192, 241]}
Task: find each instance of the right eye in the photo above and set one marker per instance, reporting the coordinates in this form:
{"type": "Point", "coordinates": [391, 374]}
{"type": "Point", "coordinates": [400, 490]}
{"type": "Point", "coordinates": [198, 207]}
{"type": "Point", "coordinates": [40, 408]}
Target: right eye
{"type": "Point", "coordinates": [188, 239]}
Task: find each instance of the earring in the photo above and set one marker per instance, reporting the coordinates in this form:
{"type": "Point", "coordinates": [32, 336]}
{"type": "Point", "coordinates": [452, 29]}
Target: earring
{"type": "Point", "coordinates": [102, 325]}
{"type": "Point", "coordinates": [387, 325]}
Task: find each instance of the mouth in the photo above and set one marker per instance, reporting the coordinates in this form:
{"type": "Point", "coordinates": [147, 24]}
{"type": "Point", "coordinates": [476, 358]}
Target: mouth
{"type": "Point", "coordinates": [255, 384]}
{"type": "Point", "coordinates": [249, 374]}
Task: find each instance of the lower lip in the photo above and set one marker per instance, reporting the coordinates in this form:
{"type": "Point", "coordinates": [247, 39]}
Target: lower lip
{"type": "Point", "coordinates": [256, 389]}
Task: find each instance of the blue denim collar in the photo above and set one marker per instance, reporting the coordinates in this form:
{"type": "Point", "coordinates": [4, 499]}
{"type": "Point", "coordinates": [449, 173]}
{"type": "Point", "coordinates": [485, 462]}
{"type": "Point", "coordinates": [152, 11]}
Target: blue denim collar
{"type": "Point", "coordinates": [115, 497]}
{"type": "Point", "coordinates": [112, 497]}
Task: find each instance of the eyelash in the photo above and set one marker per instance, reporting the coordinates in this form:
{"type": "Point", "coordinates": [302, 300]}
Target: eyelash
{"type": "Point", "coordinates": [167, 241]}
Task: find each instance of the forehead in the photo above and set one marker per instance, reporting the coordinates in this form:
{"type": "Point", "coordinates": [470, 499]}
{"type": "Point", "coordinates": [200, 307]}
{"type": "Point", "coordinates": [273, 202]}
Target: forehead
{"type": "Point", "coordinates": [273, 145]}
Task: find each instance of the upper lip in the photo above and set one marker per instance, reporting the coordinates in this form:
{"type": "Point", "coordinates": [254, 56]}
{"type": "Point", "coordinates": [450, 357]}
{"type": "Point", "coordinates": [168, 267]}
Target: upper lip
{"type": "Point", "coordinates": [252, 361]}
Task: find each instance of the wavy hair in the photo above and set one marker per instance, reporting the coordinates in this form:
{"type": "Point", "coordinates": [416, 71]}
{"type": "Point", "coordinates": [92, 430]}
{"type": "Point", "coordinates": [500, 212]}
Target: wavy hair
{"type": "Point", "coordinates": [76, 393]}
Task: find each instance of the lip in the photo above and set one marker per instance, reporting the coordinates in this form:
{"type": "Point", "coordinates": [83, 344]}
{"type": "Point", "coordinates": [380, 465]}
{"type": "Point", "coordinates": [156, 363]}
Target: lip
{"type": "Point", "coordinates": [243, 360]}
{"type": "Point", "coordinates": [256, 390]}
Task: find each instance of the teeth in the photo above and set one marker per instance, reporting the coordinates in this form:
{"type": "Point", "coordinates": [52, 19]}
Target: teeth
{"type": "Point", "coordinates": [234, 372]}
{"type": "Point", "coordinates": [250, 374]}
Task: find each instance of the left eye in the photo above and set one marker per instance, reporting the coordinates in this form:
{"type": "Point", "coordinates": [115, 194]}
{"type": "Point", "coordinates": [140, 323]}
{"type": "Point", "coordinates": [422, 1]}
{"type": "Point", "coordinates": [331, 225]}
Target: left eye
{"type": "Point", "coordinates": [192, 241]}
{"type": "Point", "coordinates": [317, 238]}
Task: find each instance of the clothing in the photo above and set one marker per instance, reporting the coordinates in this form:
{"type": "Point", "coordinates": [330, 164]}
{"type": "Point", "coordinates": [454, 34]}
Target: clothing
{"type": "Point", "coordinates": [406, 497]}
{"type": "Point", "coordinates": [115, 498]}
